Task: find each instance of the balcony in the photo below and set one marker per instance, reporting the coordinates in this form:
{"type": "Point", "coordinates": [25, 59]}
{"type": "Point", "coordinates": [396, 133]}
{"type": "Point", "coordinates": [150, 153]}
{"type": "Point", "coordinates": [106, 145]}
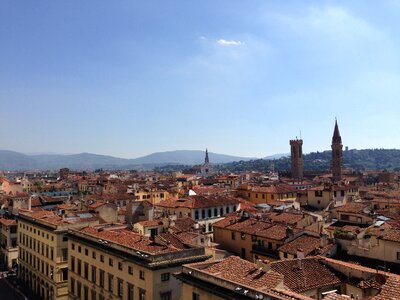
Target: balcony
{"type": "Point", "coordinates": [265, 251]}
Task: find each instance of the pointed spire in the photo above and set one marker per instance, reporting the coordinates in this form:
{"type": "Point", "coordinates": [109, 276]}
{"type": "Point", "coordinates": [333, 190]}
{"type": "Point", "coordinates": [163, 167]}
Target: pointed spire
{"type": "Point", "coordinates": [336, 139]}
{"type": "Point", "coordinates": [206, 160]}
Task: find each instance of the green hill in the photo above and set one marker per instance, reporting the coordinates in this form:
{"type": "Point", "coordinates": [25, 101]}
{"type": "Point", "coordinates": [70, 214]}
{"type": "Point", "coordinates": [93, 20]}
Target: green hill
{"type": "Point", "coordinates": [359, 160]}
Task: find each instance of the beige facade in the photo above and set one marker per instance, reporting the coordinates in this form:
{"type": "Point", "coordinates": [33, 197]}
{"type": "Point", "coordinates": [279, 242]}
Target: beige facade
{"type": "Point", "coordinates": [8, 243]}
{"type": "Point", "coordinates": [107, 268]}
{"type": "Point", "coordinates": [43, 252]}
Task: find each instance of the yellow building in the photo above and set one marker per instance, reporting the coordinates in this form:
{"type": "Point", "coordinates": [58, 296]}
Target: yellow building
{"type": "Point", "coordinates": [154, 196]}
{"type": "Point", "coordinates": [112, 262]}
{"type": "Point", "coordinates": [276, 194]}
{"type": "Point", "coordinates": [43, 251]}
{"type": "Point", "coordinates": [322, 196]}
{"type": "Point", "coordinates": [251, 238]}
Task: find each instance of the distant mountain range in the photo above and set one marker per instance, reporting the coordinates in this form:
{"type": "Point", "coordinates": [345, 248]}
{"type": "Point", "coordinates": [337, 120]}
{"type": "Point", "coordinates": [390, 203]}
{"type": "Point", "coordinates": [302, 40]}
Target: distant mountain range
{"type": "Point", "coordinates": [11, 160]}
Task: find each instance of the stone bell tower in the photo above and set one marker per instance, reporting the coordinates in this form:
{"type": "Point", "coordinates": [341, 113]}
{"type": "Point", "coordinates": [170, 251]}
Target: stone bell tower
{"type": "Point", "coordinates": [337, 154]}
{"type": "Point", "coordinates": [296, 154]}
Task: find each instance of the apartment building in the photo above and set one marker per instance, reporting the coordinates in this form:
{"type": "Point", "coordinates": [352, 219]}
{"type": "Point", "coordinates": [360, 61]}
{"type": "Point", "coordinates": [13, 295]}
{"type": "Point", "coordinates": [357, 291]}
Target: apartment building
{"type": "Point", "coordinates": [205, 210]}
{"type": "Point", "coordinates": [112, 262]}
{"type": "Point", "coordinates": [275, 194]}
{"type": "Point", "coordinates": [43, 250]}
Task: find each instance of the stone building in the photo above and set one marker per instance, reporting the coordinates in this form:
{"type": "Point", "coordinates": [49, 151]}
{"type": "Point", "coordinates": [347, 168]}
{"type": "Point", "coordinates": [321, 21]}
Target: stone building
{"type": "Point", "coordinates": [296, 155]}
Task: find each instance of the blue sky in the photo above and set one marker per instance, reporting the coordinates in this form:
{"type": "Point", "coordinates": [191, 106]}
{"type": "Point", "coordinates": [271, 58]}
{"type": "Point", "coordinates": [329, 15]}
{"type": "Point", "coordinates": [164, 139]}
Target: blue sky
{"type": "Point", "coordinates": [127, 78]}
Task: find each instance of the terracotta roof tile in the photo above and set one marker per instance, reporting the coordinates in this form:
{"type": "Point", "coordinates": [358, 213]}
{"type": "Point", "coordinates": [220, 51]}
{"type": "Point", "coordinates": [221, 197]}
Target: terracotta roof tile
{"type": "Point", "coordinates": [305, 274]}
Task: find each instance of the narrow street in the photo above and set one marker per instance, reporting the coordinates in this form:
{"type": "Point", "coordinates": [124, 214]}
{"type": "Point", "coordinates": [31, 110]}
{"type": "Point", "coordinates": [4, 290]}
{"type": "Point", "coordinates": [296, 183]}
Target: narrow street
{"type": "Point", "coordinates": [7, 292]}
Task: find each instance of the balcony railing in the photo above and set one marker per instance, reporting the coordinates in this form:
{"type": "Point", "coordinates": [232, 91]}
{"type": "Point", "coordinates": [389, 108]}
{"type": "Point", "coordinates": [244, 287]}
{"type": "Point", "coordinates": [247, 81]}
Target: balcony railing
{"type": "Point", "coordinates": [265, 251]}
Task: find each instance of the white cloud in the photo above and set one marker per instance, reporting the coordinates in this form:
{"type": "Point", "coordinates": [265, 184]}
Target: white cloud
{"type": "Point", "coordinates": [229, 42]}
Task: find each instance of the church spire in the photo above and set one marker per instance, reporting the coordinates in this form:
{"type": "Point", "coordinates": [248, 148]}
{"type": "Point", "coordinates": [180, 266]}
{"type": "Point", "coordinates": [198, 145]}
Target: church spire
{"type": "Point", "coordinates": [206, 160]}
{"type": "Point", "coordinates": [336, 139]}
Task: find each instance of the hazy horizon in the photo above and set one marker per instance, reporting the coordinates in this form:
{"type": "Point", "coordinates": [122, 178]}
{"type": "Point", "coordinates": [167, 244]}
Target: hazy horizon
{"type": "Point", "coordinates": [128, 78]}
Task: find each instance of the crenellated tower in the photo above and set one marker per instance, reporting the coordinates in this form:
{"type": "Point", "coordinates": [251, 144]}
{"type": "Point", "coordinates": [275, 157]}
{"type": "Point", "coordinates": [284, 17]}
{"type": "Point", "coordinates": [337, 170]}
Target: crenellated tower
{"type": "Point", "coordinates": [296, 154]}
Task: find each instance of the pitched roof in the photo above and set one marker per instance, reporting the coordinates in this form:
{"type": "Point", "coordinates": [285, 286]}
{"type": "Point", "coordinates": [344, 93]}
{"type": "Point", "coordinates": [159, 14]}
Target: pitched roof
{"type": "Point", "coordinates": [308, 244]}
{"type": "Point", "coordinates": [244, 272]}
{"type": "Point", "coordinates": [305, 274]}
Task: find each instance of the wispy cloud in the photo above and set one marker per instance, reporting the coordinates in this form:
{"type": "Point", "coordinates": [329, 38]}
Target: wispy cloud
{"type": "Point", "coordinates": [229, 42]}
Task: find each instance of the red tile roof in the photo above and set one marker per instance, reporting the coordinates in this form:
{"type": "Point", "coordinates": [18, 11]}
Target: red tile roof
{"type": "Point", "coordinates": [128, 239]}
{"type": "Point", "coordinates": [244, 272]}
{"type": "Point", "coordinates": [308, 244]}
{"type": "Point", "coordinates": [199, 202]}
{"type": "Point", "coordinates": [309, 275]}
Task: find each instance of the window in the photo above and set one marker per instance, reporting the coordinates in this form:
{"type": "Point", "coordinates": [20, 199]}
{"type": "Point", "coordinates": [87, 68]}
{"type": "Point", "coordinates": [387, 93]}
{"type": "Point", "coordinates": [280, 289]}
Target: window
{"type": "Point", "coordinates": [94, 271]}
{"type": "Point", "coordinates": [101, 278]}
{"type": "Point", "coordinates": [102, 258]}
{"type": "Point", "coordinates": [110, 282]}
{"type": "Point", "coordinates": [165, 276]}
{"type": "Point", "coordinates": [93, 292]}
{"type": "Point", "coordinates": [130, 291]}
{"type": "Point", "coordinates": [72, 285]}
{"type": "Point", "coordinates": [233, 236]}
{"type": "Point", "coordinates": [79, 267]}
{"type": "Point", "coordinates": [78, 288]}
{"type": "Point", "coordinates": [120, 266]}
{"type": "Point", "coordinates": [141, 274]}
{"type": "Point", "coordinates": [398, 255]}
{"type": "Point", "coordinates": [318, 193]}
{"type": "Point", "coordinates": [195, 296]}
{"type": "Point", "coordinates": [72, 264]}
{"type": "Point", "coordinates": [243, 253]}
{"type": "Point", "coordinates": [79, 249]}
{"type": "Point", "coordinates": [142, 294]}
{"type": "Point", "coordinates": [86, 270]}
{"type": "Point", "coordinates": [86, 252]}
{"type": "Point", "coordinates": [196, 214]}
{"type": "Point", "coordinates": [215, 212]}
{"type": "Point", "coordinates": [120, 287]}
{"type": "Point", "coordinates": [65, 239]}
{"type": "Point", "coordinates": [64, 274]}
{"type": "Point", "coordinates": [94, 255]}
{"type": "Point", "coordinates": [85, 293]}
{"type": "Point", "coordinates": [209, 213]}
{"type": "Point", "coordinates": [221, 211]}
{"type": "Point", "coordinates": [130, 270]}
{"type": "Point", "coordinates": [203, 214]}
{"type": "Point", "coordinates": [110, 262]}
{"type": "Point", "coordinates": [165, 296]}
{"type": "Point", "coordinates": [64, 252]}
